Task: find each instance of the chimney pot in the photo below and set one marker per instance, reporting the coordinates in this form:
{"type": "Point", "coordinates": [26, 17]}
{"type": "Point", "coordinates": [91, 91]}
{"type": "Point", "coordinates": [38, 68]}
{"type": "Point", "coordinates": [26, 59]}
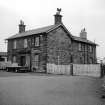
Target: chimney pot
{"type": "Point", "coordinates": [58, 17]}
{"type": "Point", "coordinates": [21, 27]}
{"type": "Point", "coordinates": [83, 34]}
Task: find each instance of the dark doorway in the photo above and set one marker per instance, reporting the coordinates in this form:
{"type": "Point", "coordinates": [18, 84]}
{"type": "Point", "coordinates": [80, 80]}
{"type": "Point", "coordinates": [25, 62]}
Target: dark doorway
{"type": "Point", "coordinates": [2, 59]}
{"type": "Point", "coordinates": [22, 61]}
{"type": "Point", "coordinates": [71, 58]}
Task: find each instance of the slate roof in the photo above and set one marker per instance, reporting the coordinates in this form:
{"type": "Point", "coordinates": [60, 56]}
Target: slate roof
{"type": "Point", "coordinates": [83, 40]}
{"type": "Point", "coordinates": [45, 30]}
{"type": "Point", "coordinates": [32, 32]}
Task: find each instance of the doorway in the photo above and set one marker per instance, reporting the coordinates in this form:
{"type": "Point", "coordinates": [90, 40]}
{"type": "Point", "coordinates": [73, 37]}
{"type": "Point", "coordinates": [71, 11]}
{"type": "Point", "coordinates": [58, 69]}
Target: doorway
{"type": "Point", "coordinates": [22, 61]}
{"type": "Point", "coordinates": [36, 62]}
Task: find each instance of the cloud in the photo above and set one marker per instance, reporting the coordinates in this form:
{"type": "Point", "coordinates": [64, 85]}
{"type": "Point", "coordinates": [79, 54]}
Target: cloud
{"type": "Point", "coordinates": [37, 13]}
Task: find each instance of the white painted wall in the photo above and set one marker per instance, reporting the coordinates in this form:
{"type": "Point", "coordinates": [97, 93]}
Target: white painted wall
{"type": "Point", "coordinates": [87, 69]}
{"type": "Point", "coordinates": [58, 69]}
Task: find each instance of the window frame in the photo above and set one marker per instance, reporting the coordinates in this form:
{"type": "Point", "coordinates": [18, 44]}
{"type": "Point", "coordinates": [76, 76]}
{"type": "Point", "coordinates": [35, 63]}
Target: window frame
{"type": "Point", "coordinates": [25, 43]}
{"type": "Point", "coordinates": [14, 59]}
{"type": "Point", "coordinates": [37, 44]}
{"type": "Point", "coordinates": [86, 49]}
{"type": "Point", "coordinates": [80, 46]}
{"type": "Point", "coordinates": [37, 61]}
{"type": "Point", "coordinates": [90, 48]}
{"type": "Point", "coordinates": [14, 44]}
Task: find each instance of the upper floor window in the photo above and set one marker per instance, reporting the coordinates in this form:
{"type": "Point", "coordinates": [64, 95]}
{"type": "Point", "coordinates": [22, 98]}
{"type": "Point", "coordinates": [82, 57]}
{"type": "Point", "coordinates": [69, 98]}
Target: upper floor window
{"type": "Point", "coordinates": [90, 48]}
{"type": "Point", "coordinates": [32, 41]}
{"type": "Point", "coordinates": [79, 47]}
{"type": "Point", "coordinates": [25, 43]}
{"type": "Point", "coordinates": [14, 44]}
{"type": "Point", "coordinates": [37, 41]}
{"type": "Point", "coordinates": [85, 47]}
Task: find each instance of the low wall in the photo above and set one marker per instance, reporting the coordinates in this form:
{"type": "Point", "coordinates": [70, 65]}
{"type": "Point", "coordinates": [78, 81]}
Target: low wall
{"type": "Point", "coordinates": [58, 69]}
{"type": "Point", "coordinates": [87, 69]}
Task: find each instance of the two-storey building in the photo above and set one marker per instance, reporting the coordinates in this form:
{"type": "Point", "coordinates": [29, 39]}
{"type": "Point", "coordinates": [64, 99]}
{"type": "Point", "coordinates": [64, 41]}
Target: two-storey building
{"type": "Point", "coordinates": [53, 44]}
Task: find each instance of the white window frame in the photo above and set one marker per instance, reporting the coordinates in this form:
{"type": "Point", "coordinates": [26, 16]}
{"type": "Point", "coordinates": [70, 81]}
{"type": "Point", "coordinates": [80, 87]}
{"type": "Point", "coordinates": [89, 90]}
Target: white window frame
{"type": "Point", "coordinates": [85, 47]}
{"type": "Point", "coordinates": [14, 44]}
{"type": "Point", "coordinates": [25, 43]}
{"type": "Point", "coordinates": [90, 48]}
{"type": "Point", "coordinates": [36, 60]}
{"type": "Point", "coordinates": [80, 47]}
{"type": "Point", "coordinates": [14, 59]}
{"type": "Point", "coordinates": [37, 41]}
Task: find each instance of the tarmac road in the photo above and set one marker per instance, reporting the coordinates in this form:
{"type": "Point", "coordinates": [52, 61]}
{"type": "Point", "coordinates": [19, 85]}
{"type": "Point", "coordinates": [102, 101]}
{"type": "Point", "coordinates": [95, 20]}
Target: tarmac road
{"type": "Point", "coordinates": [33, 89]}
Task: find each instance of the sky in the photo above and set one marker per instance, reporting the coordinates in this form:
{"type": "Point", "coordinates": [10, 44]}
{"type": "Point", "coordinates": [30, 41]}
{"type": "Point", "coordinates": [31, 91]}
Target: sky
{"type": "Point", "coordinates": [77, 14]}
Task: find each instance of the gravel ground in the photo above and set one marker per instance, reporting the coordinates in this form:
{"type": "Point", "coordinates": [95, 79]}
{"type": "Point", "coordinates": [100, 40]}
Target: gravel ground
{"type": "Point", "coordinates": [41, 89]}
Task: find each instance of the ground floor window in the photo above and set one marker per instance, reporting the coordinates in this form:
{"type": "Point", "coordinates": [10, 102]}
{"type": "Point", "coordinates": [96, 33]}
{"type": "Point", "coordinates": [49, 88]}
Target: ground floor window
{"type": "Point", "coordinates": [22, 61]}
{"type": "Point", "coordinates": [36, 61]}
{"type": "Point", "coordinates": [91, 60]}
{"type": "Point", "coordinates": [81, 61]}
{"type": "Point", "coordinates": [14, 59]}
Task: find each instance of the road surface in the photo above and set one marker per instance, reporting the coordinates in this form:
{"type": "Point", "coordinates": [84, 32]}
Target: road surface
{"type": "Point", "coordinates": [33, 89]}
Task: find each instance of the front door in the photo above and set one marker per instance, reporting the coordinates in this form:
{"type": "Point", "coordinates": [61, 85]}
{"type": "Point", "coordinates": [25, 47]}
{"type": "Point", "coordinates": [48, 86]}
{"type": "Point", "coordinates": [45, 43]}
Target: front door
{"type": "Point", "coordinates": [22, 61]}
{"type": "Point", "coordinates": [36, 62]}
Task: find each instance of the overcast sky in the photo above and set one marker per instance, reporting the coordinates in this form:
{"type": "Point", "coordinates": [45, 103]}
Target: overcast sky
{"type": "Point", "coordinates": [77, 14]}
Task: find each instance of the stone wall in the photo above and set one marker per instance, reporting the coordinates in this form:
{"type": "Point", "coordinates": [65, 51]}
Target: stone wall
{"type": "Point", "coordinates": [62, 50]}
{"type": "Point", "coordinates": [41, 51]}
{"type": "Point", "coordinates": [84, 56]}
{"type": "Point", "coordinates": [31, 49]}
{"type": "Point", "coordinates": [58, 47]}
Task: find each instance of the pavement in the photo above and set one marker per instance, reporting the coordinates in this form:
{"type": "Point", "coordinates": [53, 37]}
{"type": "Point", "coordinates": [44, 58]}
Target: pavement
{"type": "Point", "coordinates": [41, 89]}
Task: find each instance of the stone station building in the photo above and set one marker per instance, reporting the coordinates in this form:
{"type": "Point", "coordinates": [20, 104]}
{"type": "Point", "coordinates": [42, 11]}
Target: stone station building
{"type": "Point", "coordinates": [52, 44]}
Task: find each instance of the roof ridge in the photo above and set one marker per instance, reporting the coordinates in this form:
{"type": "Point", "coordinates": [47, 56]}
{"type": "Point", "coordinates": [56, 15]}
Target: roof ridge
{"type": "Point", "coordinates": [36, 29]}
{"type": "Point", "coordinates": [33, 31]}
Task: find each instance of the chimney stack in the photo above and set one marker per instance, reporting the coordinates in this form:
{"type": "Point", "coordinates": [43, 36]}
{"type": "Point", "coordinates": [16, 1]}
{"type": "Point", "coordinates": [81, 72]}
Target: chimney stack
{"type": "Point", "coordinates": [83, 34]}
{"type": "Point", "coordinates": [21, 27]}
{"type": "Point", "coordinates": [58, 17]}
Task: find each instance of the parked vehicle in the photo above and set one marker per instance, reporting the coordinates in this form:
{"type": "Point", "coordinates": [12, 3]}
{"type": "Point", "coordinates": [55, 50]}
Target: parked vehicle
{"type": "Point", "coordinates": [2, 65]}
{"type": "Point", "coordinates": [16, 68]}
